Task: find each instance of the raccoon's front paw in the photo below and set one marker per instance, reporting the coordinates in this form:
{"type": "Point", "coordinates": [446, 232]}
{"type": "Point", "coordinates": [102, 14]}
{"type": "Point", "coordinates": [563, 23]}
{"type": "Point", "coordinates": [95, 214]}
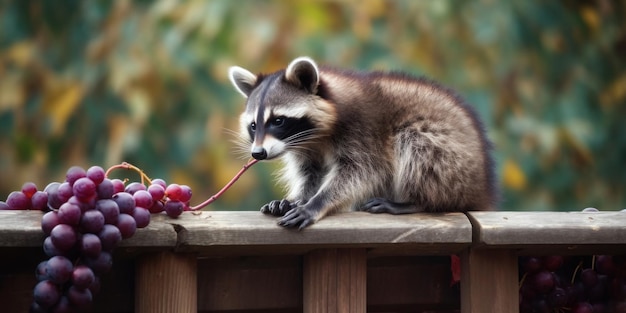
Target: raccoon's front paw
{"type": "Point", "coordinates": [278, 207]}
{"type": "Point", "coordinates": [298, 217]}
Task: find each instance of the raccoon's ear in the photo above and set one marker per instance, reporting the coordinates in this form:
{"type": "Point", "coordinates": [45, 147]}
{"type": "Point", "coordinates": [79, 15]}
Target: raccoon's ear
{"type": "Point", "coordinates": [242, 79]}
{"type": "Point", "coordinates": [303, 72]}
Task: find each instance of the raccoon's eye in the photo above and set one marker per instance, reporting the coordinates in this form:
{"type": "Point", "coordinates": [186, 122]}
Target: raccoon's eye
{"type": "Point", "coordinates": [253, 126]}
{"type": "Point", "coordinates": [279, 121]}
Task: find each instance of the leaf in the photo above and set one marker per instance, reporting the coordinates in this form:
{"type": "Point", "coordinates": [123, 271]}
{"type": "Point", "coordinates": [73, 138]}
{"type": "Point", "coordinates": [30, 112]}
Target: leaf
{"type": "Point", "coordinates": [59, 103]}
{"type": "Point", "coordinates": [514, 177]}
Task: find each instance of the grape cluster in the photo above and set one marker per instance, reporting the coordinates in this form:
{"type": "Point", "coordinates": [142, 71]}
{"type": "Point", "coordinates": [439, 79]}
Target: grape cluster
{"type": "Point", "coordinates": [573, 284]}
{"type": "Point", "coordinates": [88, 215]}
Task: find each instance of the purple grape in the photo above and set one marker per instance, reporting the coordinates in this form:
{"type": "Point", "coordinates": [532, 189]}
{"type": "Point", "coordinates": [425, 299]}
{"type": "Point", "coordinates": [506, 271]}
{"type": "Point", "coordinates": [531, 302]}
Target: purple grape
{"type": "Point", "coordinates": [127, 225]}
{"type": "Point", "coordinates": [582, 307]}
{"type": "Point", "coordinates": [90, 245]}
{"type": "Point", "coordinates": [174, 208]}
{"type": "Point", "coordinates": [84, 206]}
{"type": "Point", "coordinates": [69, 214]}
{"type": "Point", "coordinates": [118, 185]}
{"type": "Point", "coordinates": [29, 189]}
{"type": "Point", "coordinates": [80, 298]}
{"type": "Point", "coordinates": [63, 237]}
{"type": "Point", "coordinates": [39, 201]}
{"type": "Point", "coordinates": [105, 189]}
{"type": "Point", "coordinates": [53, 200]}
{"type": "Point", "coordinates": [100, 264]}
{"type": "Point", "coordinates": [134, 187]}
{"type": "Point", "coordinates": [157, 207]}
{"type": "Point", "coordinates": [40, 272]}
{"type": "Point", "coordinates": [65, 192]}
{"type": "Point", "coordinates": [59, 269]}
{"type": "Point", "coordinates": [110, 236]}
{"type": "Point", "coordinates": [185, 193]}
{"type": "Point", "coordinates": [82, 277]}
{"type": "Point", "coordinates": [160, 182]}
{"type": "Point", "coordinates": [95, 286]}
{"type": "Point", "coordinates": [50, 249]}
{"type": "Point", "coordinates": [91, 221]}
{"type": "Point", "coordinates": [589, 277]}
{"type": "Point", "coordinates": [174, 192]}
{"type": "Point", "coordinates": [557, 298]}
{"type": "Point", "coordinates": [125, 202]}
{"type": "Point", "coordinates": [109, 210]}
{"type": "Point", "coordinates": [156, 191]}
{"type": "Point", "coordinates": [17, 200]}
{"type": "Point", "coordinates": [605, 265]}
{"type": "Point", "coordinates": [4, 206]}
{"type": "Point", "coordinates": [74, 173]}
{"type": "Point", "coordinates": [49, 221]}
{"type": "Point", "coordinates": [142, 199]}
{"type": "Point", "coordinates": [141, 216]}
{"type": "Point", "coordinates": [531, 265]}
{"type": "Point", "coordinates": [96, 174]}
{"type": "Point", "coordinates": [46, 294]}
{"type": "Point", "coordinates": [63, 306]}
{"type": "Point", "coordinates": [543, 282]}
{"type": "Point", "coordinates": [84, 189]}
{"type": "Point", "coordinates": [553, 262]}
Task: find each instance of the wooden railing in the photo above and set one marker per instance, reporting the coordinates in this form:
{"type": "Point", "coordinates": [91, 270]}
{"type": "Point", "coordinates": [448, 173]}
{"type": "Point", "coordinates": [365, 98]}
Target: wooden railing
{"type": "Point", "coordinates": [350, 262]}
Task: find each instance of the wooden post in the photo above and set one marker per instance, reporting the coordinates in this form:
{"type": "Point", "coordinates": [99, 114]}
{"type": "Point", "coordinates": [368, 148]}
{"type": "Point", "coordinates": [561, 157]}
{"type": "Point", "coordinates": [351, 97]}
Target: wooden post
{"type": "Point", "coordinates": [335, 281]}
{"type": "Point", "coordinates": [489, 281]}
{"type": "Point", "coordinates": [166, 282]}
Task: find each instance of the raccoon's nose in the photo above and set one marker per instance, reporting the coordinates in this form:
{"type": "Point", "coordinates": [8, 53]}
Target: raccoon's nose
{"type": "Point", "coordinates": [259, 153]}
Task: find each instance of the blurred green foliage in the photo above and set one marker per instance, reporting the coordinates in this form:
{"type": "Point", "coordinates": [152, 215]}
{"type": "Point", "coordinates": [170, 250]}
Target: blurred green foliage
{"type": "Point", "coordinates": [101, 82]}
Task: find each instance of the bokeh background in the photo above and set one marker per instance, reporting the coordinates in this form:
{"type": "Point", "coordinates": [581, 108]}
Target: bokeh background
{"type": "Point", "coordinates": [101, 82]}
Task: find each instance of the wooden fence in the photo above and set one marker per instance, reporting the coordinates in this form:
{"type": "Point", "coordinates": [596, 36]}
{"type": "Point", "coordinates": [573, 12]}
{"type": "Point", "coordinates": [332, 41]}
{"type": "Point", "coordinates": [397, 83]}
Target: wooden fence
{"type": "Point", "coordinates": [351, 262]}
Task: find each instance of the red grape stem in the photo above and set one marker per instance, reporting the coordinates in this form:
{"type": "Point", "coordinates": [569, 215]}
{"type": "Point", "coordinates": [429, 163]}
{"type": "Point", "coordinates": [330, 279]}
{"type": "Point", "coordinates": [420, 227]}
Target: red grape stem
{"type": "Point", "coordinates": [127, 166]}
{"type": "Point", "coordinates": [578, 267]}
{"type": "Point", "coordinates": [230, 183]}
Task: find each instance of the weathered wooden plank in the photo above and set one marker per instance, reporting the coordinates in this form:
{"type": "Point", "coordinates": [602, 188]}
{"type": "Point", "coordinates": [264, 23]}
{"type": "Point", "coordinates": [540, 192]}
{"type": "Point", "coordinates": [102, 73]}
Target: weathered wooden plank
{"type": "Point", "coordinates": [21, 229]}
{"type": "Point", "coordinates": [166, 282]}
{"type": "Point", "coordinates": [489, 281]}
{"type": "Point", "coordinates": [551, 232]}
{"type": "Point", "coordinates": [212, 231]}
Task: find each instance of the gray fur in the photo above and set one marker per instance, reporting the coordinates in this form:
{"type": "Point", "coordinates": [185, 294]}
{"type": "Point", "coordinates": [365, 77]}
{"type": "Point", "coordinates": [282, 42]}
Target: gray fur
{"type": "Point", "coordinates": [380, 142]}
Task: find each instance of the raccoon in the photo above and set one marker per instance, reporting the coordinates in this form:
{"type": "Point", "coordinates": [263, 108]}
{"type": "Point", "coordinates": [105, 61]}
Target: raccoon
{"type": "Point", "coordinates": [366, 141]}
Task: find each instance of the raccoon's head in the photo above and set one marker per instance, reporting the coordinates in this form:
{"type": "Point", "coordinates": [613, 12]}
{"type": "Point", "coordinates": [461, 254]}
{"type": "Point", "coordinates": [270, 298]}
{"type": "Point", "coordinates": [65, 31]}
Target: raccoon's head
{"type": "Point", "coordinates": [283, 110]}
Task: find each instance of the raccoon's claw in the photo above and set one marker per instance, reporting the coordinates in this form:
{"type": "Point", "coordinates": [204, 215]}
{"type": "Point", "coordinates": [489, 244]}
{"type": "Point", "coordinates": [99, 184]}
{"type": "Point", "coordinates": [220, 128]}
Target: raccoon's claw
{"type": "Point", "coordinates": [297, 217]}
{"type": "Point", "coordinates": [277, 207]}
{"type": "Point", "coordinates": [382, 205]}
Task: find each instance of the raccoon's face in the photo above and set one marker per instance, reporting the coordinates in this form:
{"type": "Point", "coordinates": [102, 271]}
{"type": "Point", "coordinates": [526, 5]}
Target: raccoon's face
{"type": "Point", "coordinates": [282, 109]}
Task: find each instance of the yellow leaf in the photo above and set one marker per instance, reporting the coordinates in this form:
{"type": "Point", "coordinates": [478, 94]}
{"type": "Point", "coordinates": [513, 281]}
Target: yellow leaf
{"type": "Point", "coordinates": [514, 177]}
{"type": "Point", "coordinates": [60, 102]}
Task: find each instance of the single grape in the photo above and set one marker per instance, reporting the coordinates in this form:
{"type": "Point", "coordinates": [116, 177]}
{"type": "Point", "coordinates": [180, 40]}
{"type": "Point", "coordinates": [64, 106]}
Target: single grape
{"type": "Point", "coordinates": [40, 272]}
{"type": "Point", "coordinates": [96, 174]}
{"type": "Point", "coordinates": [109, 210]}
{"type": "Point", "coordinates": [118, 185]}
{"type": "Point", "coordinates": [17, 200]}
{"type": "Point", "coordinates": [46, 294]}
{"type": "Point", "coordinates": [127, 225]}
{"type": "Point", "coordinates": [589, 277]}
{"type": "Point", "coordinates": [80, 298]}
{"type": "Point", "coordinates": [142, 199]}
{"type": "Point", "coordinates": [553, 262]}
{"type": "Point", "coordinates": [69, 214]}
{"type": "Point", "coordinates": [90, 245]}
{"type": "Point", "coordinates": [125, 202]}
{"type": "Point", "coordinates": [84, 189]}
{"type": "Point", "coordinates": [543, 281]}
{"type": "Point", "coordinates": [582, 307]}
{"type": "Point", "coordinates": [74, 173]}
{"type": "Point", "coordinates": [63, 237]}
{"type": "Point", "coordinates": [174, 192]}
{"type": "Point", "coordinates": [141, 216]}
{"type": "Point", "coordinates": [605, 265]}
{"type": "Point", "coordinates": [531, 264]}
{"type": "Point", "coordinates": [39, 201]}
{"type": "Point", "coordinates": [91, 221]}
{"type": "Point", "coordinates": [174, 208]}
{"type": "Point", "coordinates": [134, 187]}
{"type": "Point", "coordinates": [160, 182]}
{"type": "Point", "coordinates": [29, 189]}
{"type": "Point", "coordinates": [65, 192]}
{"type": "Point", "coordinates": [100, 264]}
{"type": "Point", "coordinates": [49, 221]}
{"type": "Point", "coordinates": [83, 277]}
{"type": "Point", "coordinates": [4, 206]}
{"type": "Point", "coordinates": [105, 189]}
{"type": "Point", "coordinates": [110, 236]}
{"type": "Point", "coordinates": [156, 191]}
{"type": "Point", "coordinates": [185, 193]}
{"type": "Point", "coordinates": [157, 207]}
{"type": "Point", "coordinates": [63, 306]}
{"type": "Point", "coordinates": [50, 249]}
{"type": "Point", "coordinates": [83, 205]}
{"type": "Point", "coordinates": [53, 200]}
{"type": "Point", "coordinates": [59, 269]}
